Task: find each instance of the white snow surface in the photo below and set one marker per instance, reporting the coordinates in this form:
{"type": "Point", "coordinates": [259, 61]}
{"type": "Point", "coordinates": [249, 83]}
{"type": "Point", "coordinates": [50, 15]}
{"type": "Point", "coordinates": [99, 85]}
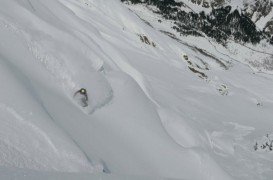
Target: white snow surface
{"type": "Point", "coordinates": [149, 115]}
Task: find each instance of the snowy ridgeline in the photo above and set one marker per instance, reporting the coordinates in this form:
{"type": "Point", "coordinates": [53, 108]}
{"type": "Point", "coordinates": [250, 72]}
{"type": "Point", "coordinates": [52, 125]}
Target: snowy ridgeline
{"type": "Point", "coordinates": [159, 105]}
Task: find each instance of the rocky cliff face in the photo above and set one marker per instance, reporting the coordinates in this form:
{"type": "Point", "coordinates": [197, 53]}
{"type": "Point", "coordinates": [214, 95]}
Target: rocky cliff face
{"type": "Point", "coordinates": [247, 21]}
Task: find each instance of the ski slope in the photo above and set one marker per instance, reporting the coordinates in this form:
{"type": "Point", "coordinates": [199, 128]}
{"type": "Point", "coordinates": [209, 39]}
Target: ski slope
{"type": "Point", "coordinates": [150, 115]}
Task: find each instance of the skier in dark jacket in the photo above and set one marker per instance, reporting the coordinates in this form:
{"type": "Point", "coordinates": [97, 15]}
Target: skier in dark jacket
{"type": "Point", "coordinates": [82, 96]}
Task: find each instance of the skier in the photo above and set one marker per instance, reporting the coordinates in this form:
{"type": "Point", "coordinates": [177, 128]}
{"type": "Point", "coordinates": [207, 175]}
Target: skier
{"type": "Point", "coordinates": [82, 96]}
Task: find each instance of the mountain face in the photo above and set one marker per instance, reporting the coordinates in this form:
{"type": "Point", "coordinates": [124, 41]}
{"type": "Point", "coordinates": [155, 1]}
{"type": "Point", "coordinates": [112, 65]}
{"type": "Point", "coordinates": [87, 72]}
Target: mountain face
{"type": "Point", "coordinates": [176, 90]}
{"type": "Point", "coordinates": [217, 19]}
{"type": "Point", "coordinates": [256, 10]}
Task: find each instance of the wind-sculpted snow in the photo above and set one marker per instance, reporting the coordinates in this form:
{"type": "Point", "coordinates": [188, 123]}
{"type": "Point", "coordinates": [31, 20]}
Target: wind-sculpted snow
{"type": "Point", "coordinates": [28, 137]}
{"type": "Point", "coordinates": [69, 66]}
{"type": "Point", "coordinates": [160, 105]}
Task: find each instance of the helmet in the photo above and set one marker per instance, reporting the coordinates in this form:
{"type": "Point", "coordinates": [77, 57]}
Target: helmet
{"type": "Point", "coordinates": [83, 91]}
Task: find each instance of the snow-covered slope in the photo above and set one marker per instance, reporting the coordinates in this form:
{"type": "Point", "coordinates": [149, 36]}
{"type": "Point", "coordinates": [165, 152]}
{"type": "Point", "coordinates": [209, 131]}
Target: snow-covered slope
{"type": "Point", "coordinates": [255, 9]}
{"type": "Point", "coordinates": [258, 11]}
{"type": "Point", "coordinates": [159, 107]}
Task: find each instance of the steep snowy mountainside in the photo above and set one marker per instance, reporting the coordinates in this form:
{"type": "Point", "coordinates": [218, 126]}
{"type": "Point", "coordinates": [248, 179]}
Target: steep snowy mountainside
{"type": "Point", "coordinates": [243, 21]}
{"type": "Point", "coordinates": [222, 29]}
{"type": "Point", "coordinates": [29, 138]}
{"type": "Point", "coordinates": [255, 9]}
{"type": "Point", "coordinates": [261, 12]}
{"type": "Point", "coordinates": [160, 105]}
{"type": "Point", "coordinates": [49, 49]}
